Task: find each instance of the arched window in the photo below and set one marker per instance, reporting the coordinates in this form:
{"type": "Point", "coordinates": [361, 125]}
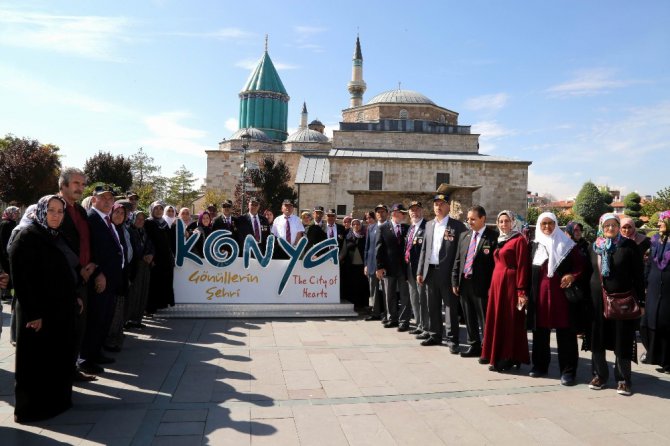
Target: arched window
{"type": "Point", "coordinates": [403, 114]}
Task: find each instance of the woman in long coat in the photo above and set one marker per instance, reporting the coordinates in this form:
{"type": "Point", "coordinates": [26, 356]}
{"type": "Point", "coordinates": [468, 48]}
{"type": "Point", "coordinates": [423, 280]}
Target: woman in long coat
{"type": "Point", "coordinates": [352, 256]}
{"type": "Point", "coordinates": [140, 270]}
{"type": "Point", "coordinates": [45, 275]}
{"type": "Point", "coordinates": [505, 341]}
{"type": "Point", "coordinates": [618, 268]}
{"type": "Point", "coordinates": [655, 325]}
{"type": "Point", "coordinates": [161, 292]}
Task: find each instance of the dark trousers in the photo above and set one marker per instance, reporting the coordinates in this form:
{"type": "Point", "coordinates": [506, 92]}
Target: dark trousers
{"type": "Point", "coordinates": [417, 297]}
{"type": "Point", "coordinates": [566, 338]}
{"type": "Point", "coordinates": [377, 296]}
{"type": "Point", "coordinates": [474, 310]}
{"type": "Point", "coordinates": [439, 293]}
{"type": "Point", "coordinates": [397, 292]}
{"type": "Point", "coordinates": [98, 320]}
{"type": "Point", "coordinates": [80, 320]}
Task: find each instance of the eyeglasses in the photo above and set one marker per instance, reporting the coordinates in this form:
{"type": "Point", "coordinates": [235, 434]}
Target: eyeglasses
{"type": "Point", "coordinates": [610, 226]}
{"type": "Point", "coordinates": [548, 223]}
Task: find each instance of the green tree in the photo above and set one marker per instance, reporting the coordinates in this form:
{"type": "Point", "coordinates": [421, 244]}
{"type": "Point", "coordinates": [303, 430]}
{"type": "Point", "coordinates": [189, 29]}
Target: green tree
{"type": "Point", "coordinates": [147, 181]}
{"type": "Point", "coordinates": [28, 170]}
{"type": "Point", "coordinates": [180, 188]}
{"type": "Point", "coordinates": [633, 208]}
{"type": "Point", "coordinates": [590, 204]}
{"type": "Point", "coordinates": [661, 202]}
{"type": "Point", "coordinates": [532, 214]}
{"type": "Point", "coordinates": [271, 179]}
{"type": "Point", "coordinates": [103, 167]}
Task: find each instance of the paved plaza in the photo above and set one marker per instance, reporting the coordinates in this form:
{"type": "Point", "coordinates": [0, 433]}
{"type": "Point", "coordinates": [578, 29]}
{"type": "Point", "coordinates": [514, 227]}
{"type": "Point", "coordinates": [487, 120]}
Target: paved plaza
{"type": "Point", "coordinates": [328, 382]}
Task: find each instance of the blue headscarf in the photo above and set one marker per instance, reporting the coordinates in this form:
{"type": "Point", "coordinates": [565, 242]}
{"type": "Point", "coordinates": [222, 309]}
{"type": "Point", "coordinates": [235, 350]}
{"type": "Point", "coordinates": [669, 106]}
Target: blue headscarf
{"type": "Point", "coordinates": [605, 246]}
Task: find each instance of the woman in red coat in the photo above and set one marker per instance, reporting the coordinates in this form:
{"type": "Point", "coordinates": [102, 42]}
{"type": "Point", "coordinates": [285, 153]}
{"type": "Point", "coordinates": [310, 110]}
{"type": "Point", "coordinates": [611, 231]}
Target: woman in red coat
{"type": "Point", "coordinates": [505, 341]}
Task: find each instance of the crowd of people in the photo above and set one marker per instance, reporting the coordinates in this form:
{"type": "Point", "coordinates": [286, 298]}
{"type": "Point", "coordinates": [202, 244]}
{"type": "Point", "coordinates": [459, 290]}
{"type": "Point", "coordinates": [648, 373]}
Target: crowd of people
{"type": "Point", "coordinates": [82, 274]}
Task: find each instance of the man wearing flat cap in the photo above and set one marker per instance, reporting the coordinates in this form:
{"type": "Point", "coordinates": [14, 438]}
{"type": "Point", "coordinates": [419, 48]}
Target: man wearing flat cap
{"type": "Point", "coordinates": [254, 224]}
{"type": "Point", "coordinates": [391, 268]}
{"type": "Point", "coordinates": [226, 219]}
{"type": "Point", "coordinates": [316, 231]}
{"type": "Point", "coordinates": [287, 226]}
{"type": "Point", "coordinates": [435, 266]}
{"type": "Point", "coordinates": [376, 286]}
{"type": "Point", "coordinates": [334, 229]}
{"type": "Point", "coordinates": [411, 254]}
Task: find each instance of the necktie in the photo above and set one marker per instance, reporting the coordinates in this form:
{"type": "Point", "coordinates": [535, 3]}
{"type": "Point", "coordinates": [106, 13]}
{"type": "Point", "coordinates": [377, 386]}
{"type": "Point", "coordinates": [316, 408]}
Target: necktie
{"type": "Point", "coordinates": [469, 259]}
{"type": "Point", "coordinates": [288, 231]}
{"type": "Point", "coordinates": [398, 234]}
{"type": "Point", "coordinates": [257, 229]}
{"type": "Point", "coordinates": [330, 231]}
{"type": "Point", "coordinates": [408, 247]}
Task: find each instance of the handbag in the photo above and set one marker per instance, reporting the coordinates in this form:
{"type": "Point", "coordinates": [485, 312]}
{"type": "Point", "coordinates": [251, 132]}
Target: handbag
{"type": "Point", "coordinates": [620, 306]}
{"type": "Point", "coordinates": [574, 294]}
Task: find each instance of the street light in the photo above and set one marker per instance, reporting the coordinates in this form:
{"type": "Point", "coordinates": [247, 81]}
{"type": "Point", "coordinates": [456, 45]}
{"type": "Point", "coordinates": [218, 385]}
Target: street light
{"type": "Point", "coordinates": [245, 145]}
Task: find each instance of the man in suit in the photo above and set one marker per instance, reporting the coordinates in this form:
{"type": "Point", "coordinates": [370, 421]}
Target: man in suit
{"type": "Point", "coordinates": [333, 229]}
{"type": "Point", "coordinates": [413, 244]}
{"type": "Point", "coordinates": [392, 270]}
{"type": "Point", "coordinates": [254, 224]}
{"type": "Point", "coordinates": [316, 231]}
{"type": "Point", "coordinates": [471, 275]}
{"type": "Point", "coordinates": [107, 254]}
{"type": "Point", "coordinates": [435, 264]}
{"type": "Point", "coordinates": [226, 219]}
{"type": "Point", "coordinates": [370, 268]}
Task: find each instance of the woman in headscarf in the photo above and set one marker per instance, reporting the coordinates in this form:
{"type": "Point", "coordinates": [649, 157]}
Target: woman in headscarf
{"type": "Point", "coordinates": [505, 342]}
{"type": "Point", "coordinates": [584, 314]}
{"type": "Point", "coordinates": [204, 228]}
{"type": "Point", "coordinates": [114, 339]}
{"type": "Point", "coordinates": [161, 292]}
{"type": "Point", "coordinates": [8, 223]}
{"type": "Point", "coordinates": [140, 270]}
{"type": "Point", "coordinates": [352, 257]}
{"type": "Point", "coordinates": [45, 275]}
{"type": "Point", "coordinates": [655, 324]}
{"type": "Point", "coordinates": [617, 268]}
{"type": "Point", "coordinates": [170, 217]}
{"type": "Point", "coordinates": [556, 266]}
{"type": "Point", "coordinates": [629, 231]}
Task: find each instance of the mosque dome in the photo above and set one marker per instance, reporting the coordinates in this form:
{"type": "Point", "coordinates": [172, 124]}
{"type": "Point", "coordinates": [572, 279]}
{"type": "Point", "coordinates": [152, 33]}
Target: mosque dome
{"type": "Point", "coordinates": [307, 135]}
{"type": "Point", "coordinates": [256, 135]}
{"type": "Point", "coordinates": [400, 97]}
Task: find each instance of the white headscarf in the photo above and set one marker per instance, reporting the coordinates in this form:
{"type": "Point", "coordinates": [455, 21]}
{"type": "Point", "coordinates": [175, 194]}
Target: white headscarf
{"type": "Point", "coordinates": [554, 247]}
{"type": "Point", "coordinates": [169, 220]}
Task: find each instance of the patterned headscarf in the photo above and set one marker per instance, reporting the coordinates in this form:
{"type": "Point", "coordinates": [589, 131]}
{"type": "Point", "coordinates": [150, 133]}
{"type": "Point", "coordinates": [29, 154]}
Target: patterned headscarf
{"type": "Point", "coordinates": [604, 246]}
{"type": "Point", "coordinates": [570, 228]}
{"type": "Point", "coordinates": [119, 206]}
{"type": "Point", "coordinates": [554, 247]}
{"type": "Point", "coordinates": [660, 251]}
{"type": "Point", "coordinates": [516, 226]}
{"type": "Point", "coordinates": [9, 213]}
{"type": "Point", "coordinates": [41, 212]}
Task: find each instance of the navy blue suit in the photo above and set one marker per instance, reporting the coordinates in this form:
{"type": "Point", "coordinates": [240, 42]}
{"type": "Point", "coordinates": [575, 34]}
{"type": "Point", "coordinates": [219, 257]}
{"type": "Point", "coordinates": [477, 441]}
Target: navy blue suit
{"type": "Point", "coordinates": [370, 261]}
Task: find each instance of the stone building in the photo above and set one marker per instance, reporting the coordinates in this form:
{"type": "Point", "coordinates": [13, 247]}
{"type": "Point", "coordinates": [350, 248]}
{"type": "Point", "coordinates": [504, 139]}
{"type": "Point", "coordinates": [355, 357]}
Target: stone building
{"type": "Point", "coordinates": [397, 147]}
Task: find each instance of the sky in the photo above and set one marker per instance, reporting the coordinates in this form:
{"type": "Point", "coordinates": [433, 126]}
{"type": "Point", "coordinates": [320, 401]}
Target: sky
{"type": "Point", "coordinates": [579, 87]}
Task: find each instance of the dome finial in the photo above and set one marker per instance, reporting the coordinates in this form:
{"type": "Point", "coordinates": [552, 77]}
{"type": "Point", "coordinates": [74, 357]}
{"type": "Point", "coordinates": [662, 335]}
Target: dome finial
{"type": "Point", "coordinates": [266, 43]}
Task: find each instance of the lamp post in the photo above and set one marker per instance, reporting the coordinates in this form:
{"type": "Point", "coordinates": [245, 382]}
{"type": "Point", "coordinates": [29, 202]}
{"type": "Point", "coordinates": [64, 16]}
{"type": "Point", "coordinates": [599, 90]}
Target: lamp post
{"type": "Point", "coordinates": [245, 145]}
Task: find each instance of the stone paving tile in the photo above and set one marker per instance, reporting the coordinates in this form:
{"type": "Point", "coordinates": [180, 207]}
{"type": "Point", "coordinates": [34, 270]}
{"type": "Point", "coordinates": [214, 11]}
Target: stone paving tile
{"type": "Point", "coordinates": [328, 367]}
{"type": "Point", "coordinates": [452, 429]}
{"type": "Point", "coordinates": [340, 388]}
{"type": "Point", "coordinates": [117, 424]}
{"type": "Point", "coordinates": [174, 415]}
{"type": "Point", "coordinates": [181, 428]}
{"type": "Point", "coordinates": [228, 427]}
{"type": "Point", "coordinates": [301, 380]}
{"type": "Point", "coordinates": [271, 412]}
{"type": "Point", "coordinates": [294, 360]}
{"type": "Point", "coordinates": [181, 440]}
{"type": "Point", "coordinates": [365, 430]}
{"type": "Point", "coordinates": [318, 425]}
{"type": "Point", "coordinates": [405, 425]}
{"type": "Point", "coordinates": [275, 432]}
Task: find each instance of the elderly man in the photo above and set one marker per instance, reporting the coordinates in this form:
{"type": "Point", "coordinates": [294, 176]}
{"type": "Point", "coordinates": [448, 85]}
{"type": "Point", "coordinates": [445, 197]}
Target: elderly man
{"type": "Point", "coordinates": [370, 261]}
{"type": "Point", "coordinates": [412, 252]}
{"type": "Point", "coordinates": [254, 224]}
{"type": "Point", "coordinates": [435, 265]}
{"type": "Point", "coordinates": [316, 231]}
{"type": "Point", "coordinates": [288, 227]}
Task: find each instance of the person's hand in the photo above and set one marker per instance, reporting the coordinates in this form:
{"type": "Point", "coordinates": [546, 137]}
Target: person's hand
{"type": "Point", "coordinates": [567, 280]}
{"type": "Point", "coordinates": [87, 271]}
{"type": "Point", "coordinates": [522, 301]}
{"type": "Point", "coordinates": [35, 325]}
{"type": "Point", "coordinates": [100, 283]}
{"type": "Point", "coordinates": [365, 270]}
{"type": "Point", "coordinates": [419, 279]}
{"type": "Point", "coordinates": [380, 273]}
{"type": "Point", "coordinates": [455, 289]}
{"type": "Point", "coordinates": [4, 280]}
{"type": "Point", "coordinates": [81, 305]}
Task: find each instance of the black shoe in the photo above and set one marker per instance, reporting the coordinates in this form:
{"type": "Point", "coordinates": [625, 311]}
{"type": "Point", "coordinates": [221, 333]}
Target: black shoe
{"type": "Point", "coordinates": [372, 317]}
{"type": "Point", "coordinates": [104, 360]}
{"type": "Point", "coordinates": [471, 353]}
{"type": "Point", "coordinates": [483, 360]}
{"type": "Point", "coordinates": [112, 349]}
{"type": "Point", "coordinates": [416, 331]}
{"type": "Point", "coordinates": [403, 328]}
{"type": "Point", "coordinates": [91, 368]}
{"type": "Point", "coordinates": [567, 379]}
{"type": "Point", "coordinates": [390, 325]}
{"type": "Point", "coordinates": [431, 341]}
{"type": "Point", "coordinates": [384, 320]}
{"type": "Point", "coordinates": [537, 373]}
{"type": "Point", "coordinates": [453, 349]}
{"type": "Point", "coordinates": [643, 358]}
{"type": "Point", "coordinates": [423, 336]}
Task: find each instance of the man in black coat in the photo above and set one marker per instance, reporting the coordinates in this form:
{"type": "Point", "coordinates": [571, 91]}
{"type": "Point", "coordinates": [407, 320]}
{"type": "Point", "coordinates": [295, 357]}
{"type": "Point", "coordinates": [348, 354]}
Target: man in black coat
{"type": "Point", "coordinates": [435, 264]}
{"type": "Point", "coordinates": [391, 268]}
{"type": "Point", "coordinates": [226, 219]}
{"type": "Point", "coordinates": [107, 254]}
{"type": "Point", "coordinates": [413, 244]}
{"type": "Point", "coordinates": [333, 229]}
{"type": "Point", "coordinates": [316, 231]}
{"type": "Point", "coordinates": [370, 268]}
{"type": "Point", "coordinates": [471, 275]}
{"type": "Point", "coordinates": [254, 224]}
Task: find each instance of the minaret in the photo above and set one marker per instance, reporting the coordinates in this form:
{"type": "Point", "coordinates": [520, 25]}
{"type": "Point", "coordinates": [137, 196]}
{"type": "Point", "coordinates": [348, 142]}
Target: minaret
{"type": "Point", "coordinates": [303, 117]}
{"type": "Point", "coordinates": [357, 86]}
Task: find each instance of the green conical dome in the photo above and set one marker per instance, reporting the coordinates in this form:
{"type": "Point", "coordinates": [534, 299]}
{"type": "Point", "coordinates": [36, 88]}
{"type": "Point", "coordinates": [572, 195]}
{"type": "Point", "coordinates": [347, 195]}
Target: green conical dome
{"type": "Point", "coordinates": [264, 101]}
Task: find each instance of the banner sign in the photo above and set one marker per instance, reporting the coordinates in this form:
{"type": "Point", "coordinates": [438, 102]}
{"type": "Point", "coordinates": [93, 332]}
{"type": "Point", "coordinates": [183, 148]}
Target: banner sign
{"type": "Point", "coordinates": [222, 276]}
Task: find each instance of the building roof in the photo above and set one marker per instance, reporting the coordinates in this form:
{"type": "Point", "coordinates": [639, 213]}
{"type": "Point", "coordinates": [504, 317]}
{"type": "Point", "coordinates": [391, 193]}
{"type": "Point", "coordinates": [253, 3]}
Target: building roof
{"type": "Point", "coordinates": [265, 77]}
{"type": "Point", "coordinates": [257, 135]}
{"type": "Point", "coordinates": [400, 97]}
{"type": "Point", "coordinates": [307, 135]}
{"type": "Point", "coordinates": [434, 156]}
{"type": "Point", "coordinates": [313, 170]}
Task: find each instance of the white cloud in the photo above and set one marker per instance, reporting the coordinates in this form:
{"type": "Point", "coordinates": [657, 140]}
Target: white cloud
{"type": "Point", "coordinates": [232, 125]}
{"type": "Point", "coordinates": [589, 82]}
{"type": "Point", "coordinates": [167, 133]}
{"type": "Point", "coordinates": [490, 131]}
{"type": "Point", "coordinates": [489, 102]}
{"type": "Point", "coordinates": [94, 37]}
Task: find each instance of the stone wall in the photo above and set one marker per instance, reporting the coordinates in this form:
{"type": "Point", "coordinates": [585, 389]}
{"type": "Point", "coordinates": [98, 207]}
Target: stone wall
{"type": "Point", "coordinates": [400, 141]}
{"type": "Point", "coordinates": [375, 112]}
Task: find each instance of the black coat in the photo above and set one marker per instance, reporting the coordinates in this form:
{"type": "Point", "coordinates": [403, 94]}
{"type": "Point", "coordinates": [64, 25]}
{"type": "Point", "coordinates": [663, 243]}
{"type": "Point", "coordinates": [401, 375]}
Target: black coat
{"type": "Point", "coordinates": [69, 230]}
{"type": "Point", "coordinates": [161, 291]}
{"type": "Point", "coordinates": [390, 251]}
{"type": "Point", "coordinates": [245, 227]}
{"type": "Point", "coordinates": [315, 233]}
{"type": "Point", "coordinates": [657, 309]}
{"type": "Point", "coordinates": [105, 252]}
{"type": "Point", "coordinates": [447, 252]}
{"type": "Point", "coordinates": [417, 243]}
{"type": "Point", "coordinates": [483, 264]}
{"type": "Point", "coordinates": [6, 227]}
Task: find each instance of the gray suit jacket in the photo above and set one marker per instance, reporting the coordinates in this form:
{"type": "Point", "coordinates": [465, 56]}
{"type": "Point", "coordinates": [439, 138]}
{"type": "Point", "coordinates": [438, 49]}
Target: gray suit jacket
{"type": "Point", "coordinates": [447, 250]}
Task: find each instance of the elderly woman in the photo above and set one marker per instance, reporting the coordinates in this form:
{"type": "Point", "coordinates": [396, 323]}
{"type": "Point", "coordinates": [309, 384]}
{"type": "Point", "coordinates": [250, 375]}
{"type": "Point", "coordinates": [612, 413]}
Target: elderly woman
{"type": "Point", "coordinates": [114, 339]}
{"type": "Point", "coordinates": [352, 256]}
{"type": "Point", "coordinates": [9, 217]}
{"type": "Point", "coordinates": [505, 342]}
{"type": "Point", "coordinates": [556, 266]}
{"type": "Point", "coordinates": [655, 325]}
{"type": "Point", "coordinates": [161, 292]}
{"type": "Point", "coordinates": [204, 228]}
{"type": "Point", "coordinates": [140, 270]}
{"type": "Point", "coordinates": [584, 315]}
{"type": "Point", "coordinates": [629, 231]}
{"type": "Point", "coordinates": [45, 276]}
{"type": "Point", "coordinates": [617, 267]}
